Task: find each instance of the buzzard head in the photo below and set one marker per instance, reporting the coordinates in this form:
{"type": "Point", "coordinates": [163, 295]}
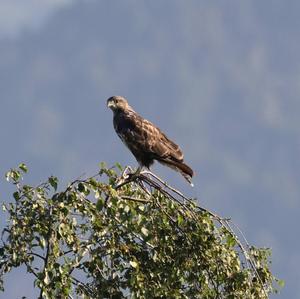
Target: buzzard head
{"type": "Point", "coordinates": [117, 103]}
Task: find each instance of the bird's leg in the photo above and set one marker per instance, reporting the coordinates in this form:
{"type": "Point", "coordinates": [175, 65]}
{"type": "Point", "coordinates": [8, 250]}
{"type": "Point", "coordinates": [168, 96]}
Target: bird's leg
{"type": "Point", "coordinates": [125, 176]}
{"type": "Point", "coordinates": [138, 171]}
{"type": "Point", "coordinates": [135, 174]}
{"type": "Point", "coordinates": [126, 172]}
{"type": "Point", "coordinates": [129, 175]}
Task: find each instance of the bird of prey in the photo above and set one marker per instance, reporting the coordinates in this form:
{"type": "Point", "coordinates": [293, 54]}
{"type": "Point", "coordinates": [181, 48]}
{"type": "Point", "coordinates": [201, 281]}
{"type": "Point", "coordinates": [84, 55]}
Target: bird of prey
{"type": "Point", "coordinates": [146, 141]}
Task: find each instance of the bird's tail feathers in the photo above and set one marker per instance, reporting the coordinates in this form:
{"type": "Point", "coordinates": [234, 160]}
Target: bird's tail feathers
{"type": "Point", "coordinates": [184, 169]}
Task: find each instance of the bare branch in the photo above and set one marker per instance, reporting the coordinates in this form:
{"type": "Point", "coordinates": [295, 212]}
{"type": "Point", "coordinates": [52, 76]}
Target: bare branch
{"type": "Point", "coordinates": [135, 199]}
{"type": "Point", "coordinates": [37, 255]}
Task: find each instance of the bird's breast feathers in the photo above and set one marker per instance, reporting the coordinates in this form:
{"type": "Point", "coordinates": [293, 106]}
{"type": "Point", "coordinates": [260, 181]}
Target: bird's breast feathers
{"type": "Point", "coordinates": [139, 133]}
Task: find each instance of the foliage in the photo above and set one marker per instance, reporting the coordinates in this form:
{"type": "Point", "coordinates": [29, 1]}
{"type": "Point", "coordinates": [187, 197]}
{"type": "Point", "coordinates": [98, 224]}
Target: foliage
{"type": "Point", "coordinates": [126, 237]}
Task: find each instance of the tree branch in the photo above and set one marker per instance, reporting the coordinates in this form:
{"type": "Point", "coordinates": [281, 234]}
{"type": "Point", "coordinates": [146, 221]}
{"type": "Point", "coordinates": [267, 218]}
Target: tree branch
{"type": "Point", "coordinates": [48, 249]}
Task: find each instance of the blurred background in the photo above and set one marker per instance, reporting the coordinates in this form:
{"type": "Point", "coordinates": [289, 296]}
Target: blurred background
{"type": "Point", "coordinates": [220, 78]}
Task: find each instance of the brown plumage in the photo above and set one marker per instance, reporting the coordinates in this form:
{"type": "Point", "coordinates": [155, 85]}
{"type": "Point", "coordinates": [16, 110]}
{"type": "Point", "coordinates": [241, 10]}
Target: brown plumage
{"type": "Point", "coordinates": [146, 141]}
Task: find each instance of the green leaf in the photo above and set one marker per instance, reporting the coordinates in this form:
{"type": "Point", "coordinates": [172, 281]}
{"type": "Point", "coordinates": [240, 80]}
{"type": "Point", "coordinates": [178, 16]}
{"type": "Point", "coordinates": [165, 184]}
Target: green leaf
{"type": "Point", "coordinates": [43, 242]}
{"type": "Point", "coordinates": [133, 264]}
{"type": "Point", "coordinates": [23, 167]}
{"type": "Point", "coordinates": [281, 283]}
{"type": "Point", "coordinates": [119, 166]}
{"type": "Point", "coordinates": [16, 195]}
{"type": "Point", "coordinates": [99, 204]}
{"type": "Point", "coordinates": [230, 240]}
{"type": "Point", "coordinates": [13, 175]}
{"type": "Point", "coordinates": [53, 181]}
{"type": "Point", "coordinates": [180, 219]}
{"type": "Point", "coordinates": [81, 187]}
{"type": "Point", "coordinates": [145, 231]}
{"type": "Point", "coordinates": [102, 165]}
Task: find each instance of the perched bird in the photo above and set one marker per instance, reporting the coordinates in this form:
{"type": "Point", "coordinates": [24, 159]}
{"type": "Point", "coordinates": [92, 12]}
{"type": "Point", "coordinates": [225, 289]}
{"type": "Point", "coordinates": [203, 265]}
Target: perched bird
{"type": "Point", "coordinates": [146, 141]}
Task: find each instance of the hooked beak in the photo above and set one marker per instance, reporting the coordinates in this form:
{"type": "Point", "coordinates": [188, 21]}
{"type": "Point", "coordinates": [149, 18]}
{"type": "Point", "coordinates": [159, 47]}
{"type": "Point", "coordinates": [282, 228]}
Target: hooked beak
{"type": "Point", "coordinates": [110, 104]}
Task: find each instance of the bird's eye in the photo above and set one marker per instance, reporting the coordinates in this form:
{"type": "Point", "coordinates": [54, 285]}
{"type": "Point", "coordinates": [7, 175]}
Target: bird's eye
{"type": "Point", "coordinates": [117, 101]}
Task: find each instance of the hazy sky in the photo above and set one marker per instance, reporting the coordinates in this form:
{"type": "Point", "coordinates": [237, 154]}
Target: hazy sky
{"type": "Point", "coordinates": [220, 78]}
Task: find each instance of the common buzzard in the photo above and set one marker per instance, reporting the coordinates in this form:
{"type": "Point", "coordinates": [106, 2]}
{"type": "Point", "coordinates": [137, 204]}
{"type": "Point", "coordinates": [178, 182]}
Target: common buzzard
{"type": "Point", "coordinates": [146, 141]}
